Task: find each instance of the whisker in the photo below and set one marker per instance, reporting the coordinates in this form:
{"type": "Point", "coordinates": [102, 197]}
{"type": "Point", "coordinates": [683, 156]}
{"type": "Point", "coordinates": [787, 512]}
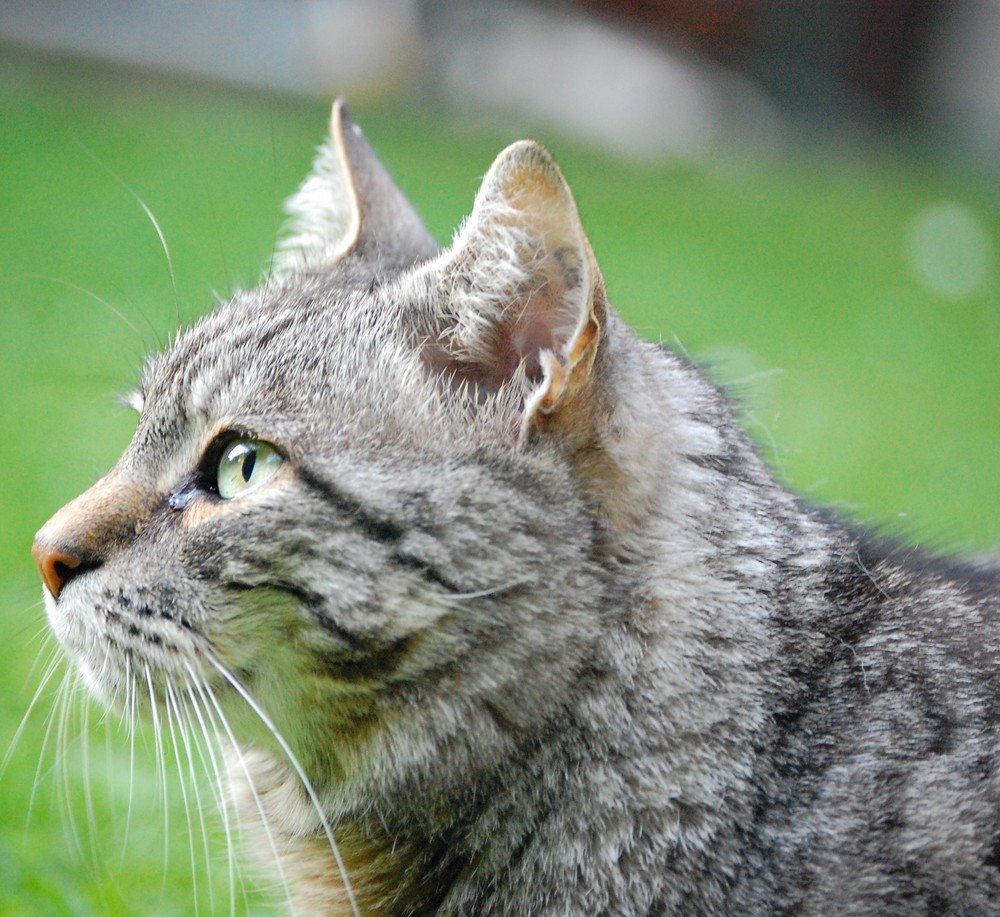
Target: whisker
{"type": "Point", "coordinates": [152, 219]}
{"type": "Point", "coordinates": [258, 802]}
{"type": "Point", "coordinates": [128, 717]}
{"type": "Point", "coordinates": [161, 773]}
{"type": "Point", "coordinates": [50, 670]}
{"type": "Point", "coordinates": [45, 635]}
{"type": "Point", "coordinates": [222, 248]}
{"type": "Point", "coordinates": [200, 709]}
{"type": "Point", "coordinates": [502, 589]}
{"type": "Point", "coordinates": [62, 744]}
{"type": "Point", "coordinates": [293, 760]}
{"type": "Point", "coordinates": [88, 797]}
{"type": "Point", "coordinates": [79, 289]}
{"type": "Point", "coordinates": [52, 719]}
{"type": "Point", "coordinates": [173, 725]}
{"type": "Point", "coordinates": [190, 738]}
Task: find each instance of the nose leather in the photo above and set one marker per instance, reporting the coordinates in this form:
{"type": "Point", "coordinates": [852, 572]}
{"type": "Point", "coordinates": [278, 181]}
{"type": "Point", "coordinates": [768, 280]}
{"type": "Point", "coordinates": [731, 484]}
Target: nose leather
{"type": "Point", "coordinates": [55, 564]}
{"type": "Point", "coordinates": [88, 530]}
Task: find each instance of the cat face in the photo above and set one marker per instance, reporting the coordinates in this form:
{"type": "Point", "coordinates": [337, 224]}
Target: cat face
{"type": "Point", "coordinates": [351, 495]}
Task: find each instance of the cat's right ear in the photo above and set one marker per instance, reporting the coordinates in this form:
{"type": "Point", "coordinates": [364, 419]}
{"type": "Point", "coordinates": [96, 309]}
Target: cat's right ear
{"type": "Point", "coordinates": [520, 304]}
{"type": "Point", "coordinates": [349, 205]}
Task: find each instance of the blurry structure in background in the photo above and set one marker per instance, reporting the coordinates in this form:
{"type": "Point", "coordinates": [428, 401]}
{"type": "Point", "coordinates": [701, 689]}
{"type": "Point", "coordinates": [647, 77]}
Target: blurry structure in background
{"type": "Point", "coordinates": [279, 45]}
{"type": "Point", "coordinates": [839, 59]}
{"type": "Point", "coordinates": [607, 83]}
{"type": "Point", "coordinates": [960, 84]}
{"type": "Point", "coordinates": [649, 77]}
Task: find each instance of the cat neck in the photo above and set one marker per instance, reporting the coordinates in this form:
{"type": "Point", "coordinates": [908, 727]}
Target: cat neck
{"type": "Point", "coordinates": [387, 873]}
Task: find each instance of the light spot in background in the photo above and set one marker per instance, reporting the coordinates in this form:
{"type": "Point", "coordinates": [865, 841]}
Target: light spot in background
{"type": "Point", "coordinates": [950, 251]}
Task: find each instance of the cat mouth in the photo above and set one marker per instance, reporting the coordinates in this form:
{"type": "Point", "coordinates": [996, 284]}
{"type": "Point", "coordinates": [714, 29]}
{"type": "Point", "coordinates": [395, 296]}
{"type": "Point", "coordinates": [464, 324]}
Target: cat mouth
{"type": "Point", "coordinates": [118, 638]}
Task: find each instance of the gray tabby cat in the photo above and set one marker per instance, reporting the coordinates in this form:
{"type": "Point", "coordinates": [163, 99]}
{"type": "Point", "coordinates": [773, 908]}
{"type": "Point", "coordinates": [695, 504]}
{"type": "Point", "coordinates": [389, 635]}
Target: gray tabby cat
{"type": "Point", "coordinates": [497, 611]}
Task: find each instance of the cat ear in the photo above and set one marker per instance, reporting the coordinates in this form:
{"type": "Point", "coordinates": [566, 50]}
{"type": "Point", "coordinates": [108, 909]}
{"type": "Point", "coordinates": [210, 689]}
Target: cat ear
{"type": "Point", "coordinates": [522, 294]}
{"type": "Point", "coordinates": [350, 205]}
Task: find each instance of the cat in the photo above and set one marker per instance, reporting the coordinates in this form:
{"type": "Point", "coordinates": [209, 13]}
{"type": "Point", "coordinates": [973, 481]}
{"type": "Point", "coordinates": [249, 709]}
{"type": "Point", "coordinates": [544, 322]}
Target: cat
{"type": "Point", "coordinates": [497, 611]}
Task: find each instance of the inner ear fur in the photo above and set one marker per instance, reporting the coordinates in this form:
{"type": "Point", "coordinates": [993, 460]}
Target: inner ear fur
{"type": "Point", "coordinates": [523, 296]}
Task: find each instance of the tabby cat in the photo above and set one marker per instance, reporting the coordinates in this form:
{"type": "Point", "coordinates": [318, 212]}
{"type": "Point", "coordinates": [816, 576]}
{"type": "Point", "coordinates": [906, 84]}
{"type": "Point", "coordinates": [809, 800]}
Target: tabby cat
{"type": "Point", "coordinates": [495, 609]}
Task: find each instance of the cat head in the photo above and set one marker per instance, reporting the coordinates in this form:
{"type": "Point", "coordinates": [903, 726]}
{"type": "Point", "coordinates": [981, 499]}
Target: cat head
{"type": "Point", "coordinates": [353, 492]}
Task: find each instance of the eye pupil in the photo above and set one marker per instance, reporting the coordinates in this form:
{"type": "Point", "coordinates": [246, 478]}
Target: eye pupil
{"type": "Point", "coordinates": [246, 466]}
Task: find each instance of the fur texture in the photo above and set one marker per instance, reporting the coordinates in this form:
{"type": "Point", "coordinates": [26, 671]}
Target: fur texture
{"type": "Point", "coordinates": [522, 625]}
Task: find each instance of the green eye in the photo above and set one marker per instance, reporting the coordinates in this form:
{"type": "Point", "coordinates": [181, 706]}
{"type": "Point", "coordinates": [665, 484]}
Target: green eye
{"type": "Point", "coordinates": [245, 464]}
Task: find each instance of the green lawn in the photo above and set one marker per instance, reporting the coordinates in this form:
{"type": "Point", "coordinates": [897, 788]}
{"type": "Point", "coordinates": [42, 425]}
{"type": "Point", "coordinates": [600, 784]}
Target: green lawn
{"type": "Point", "coordinates": [803, 279]}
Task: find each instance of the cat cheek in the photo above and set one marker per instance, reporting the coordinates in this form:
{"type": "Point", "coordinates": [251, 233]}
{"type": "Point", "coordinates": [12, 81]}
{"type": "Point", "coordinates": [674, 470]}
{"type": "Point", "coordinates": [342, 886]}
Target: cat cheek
{"type": "Point", "coordinates": [76, 626]}
{"type": "Point", "coordinates": [200, 512]}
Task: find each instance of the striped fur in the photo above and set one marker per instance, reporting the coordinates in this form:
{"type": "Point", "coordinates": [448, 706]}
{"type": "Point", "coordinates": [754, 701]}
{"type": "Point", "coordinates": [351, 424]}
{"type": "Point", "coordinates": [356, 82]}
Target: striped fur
{"type": "Point", "coordinates": [523, 625]}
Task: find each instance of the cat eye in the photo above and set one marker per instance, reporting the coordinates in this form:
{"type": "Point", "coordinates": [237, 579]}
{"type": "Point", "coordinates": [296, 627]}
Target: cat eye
{"type": "Point", "coordinates": [244, 465]}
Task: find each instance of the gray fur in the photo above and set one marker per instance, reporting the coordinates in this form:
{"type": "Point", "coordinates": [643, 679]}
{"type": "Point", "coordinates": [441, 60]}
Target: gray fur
{"type": "Point", "coordinates": [523, 603]}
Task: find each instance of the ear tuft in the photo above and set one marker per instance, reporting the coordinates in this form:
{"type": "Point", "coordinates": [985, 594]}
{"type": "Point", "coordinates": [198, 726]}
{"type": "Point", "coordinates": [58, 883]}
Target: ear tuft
{"type": "Point", "coordinates": [523, 300]}
{"type": "Point", "coordinates": [349, 204]}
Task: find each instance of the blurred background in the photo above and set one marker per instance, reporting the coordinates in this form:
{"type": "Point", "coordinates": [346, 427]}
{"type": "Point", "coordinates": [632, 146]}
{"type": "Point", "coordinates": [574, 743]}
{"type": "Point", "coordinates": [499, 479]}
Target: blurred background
{"type": "Point", "coordinates": [804, 196]}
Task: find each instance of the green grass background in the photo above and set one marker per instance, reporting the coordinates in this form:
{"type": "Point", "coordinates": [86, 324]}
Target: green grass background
{"type": "Point", "coordinates": [790, 274]}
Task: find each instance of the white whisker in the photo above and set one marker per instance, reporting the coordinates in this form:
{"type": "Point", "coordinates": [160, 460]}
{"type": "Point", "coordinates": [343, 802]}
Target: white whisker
{"type": "Point", "coordinates": [200, 708]}
{"type": "Point", "coordinates": [51, 668]}
{"type": "Point", "coordinates": [51, 719]}
{"type": "Point", "coordinates": [129, 720]}
{"type": "Point", "coordinates": [43, 634]}
{"type": "Point", "coordinates": [63, 733]}
{"type": "Point", "coordinates": [152, 220]}
{"type": "Point", "coordinates": [258, 802]}
{"type": "Point", "coordinates": [169, 704]}
{"type": "Point", "coordinates": [90, 811]}
{"type": "Point", "coordinates": [483, 593]}
{"type": "Point", "coordinates": [74, 286]}
{"type": "Point", "coordinates": [192, 747]}
{"type": "Point", "coordinates": [306, 783]}
{"type": "Point", "coordinates": [161, 773]}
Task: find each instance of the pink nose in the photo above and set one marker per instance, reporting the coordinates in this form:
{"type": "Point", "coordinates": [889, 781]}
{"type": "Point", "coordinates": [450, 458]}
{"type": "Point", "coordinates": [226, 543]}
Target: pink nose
{"type": "Point", "coordinates": [55, 565]}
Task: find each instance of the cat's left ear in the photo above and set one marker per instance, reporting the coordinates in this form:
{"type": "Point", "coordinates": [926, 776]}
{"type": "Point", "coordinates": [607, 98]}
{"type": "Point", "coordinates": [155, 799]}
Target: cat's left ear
{"type": "Point", "coordinates": [522, 296]}
{"type": "Point", "coordinates": [349, 204]}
